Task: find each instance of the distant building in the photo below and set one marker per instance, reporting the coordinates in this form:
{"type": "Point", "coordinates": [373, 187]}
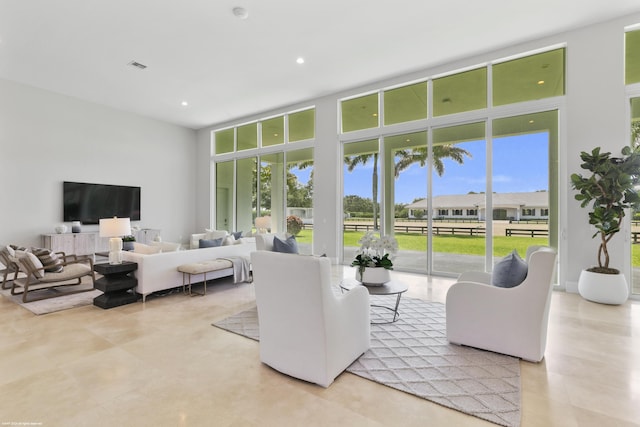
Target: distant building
{"type": "Point", "coordinates": [511, 206]}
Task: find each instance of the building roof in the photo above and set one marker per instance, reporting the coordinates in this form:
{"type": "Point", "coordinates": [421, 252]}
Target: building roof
{"type": "Point", "coordinates": [477, 200]}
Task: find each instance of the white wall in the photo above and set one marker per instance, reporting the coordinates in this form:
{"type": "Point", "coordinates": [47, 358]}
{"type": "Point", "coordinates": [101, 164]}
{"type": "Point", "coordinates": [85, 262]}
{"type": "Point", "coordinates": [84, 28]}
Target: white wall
{"type": "Point", "coordinates": [593, 114]}
{"type": "Point", "coordinates": [46, 138]}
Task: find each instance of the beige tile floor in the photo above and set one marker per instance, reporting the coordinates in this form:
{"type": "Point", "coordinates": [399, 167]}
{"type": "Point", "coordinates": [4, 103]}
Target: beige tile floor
{"type": "Point", "coordinates": [162, 364]}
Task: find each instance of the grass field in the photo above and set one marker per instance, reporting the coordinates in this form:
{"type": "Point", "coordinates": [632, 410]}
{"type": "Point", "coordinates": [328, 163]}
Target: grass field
{"type": "Point", "coordinates": [471, 245]}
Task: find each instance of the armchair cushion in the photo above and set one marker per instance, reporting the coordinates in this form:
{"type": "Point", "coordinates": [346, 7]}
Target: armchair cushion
{"type": "Point", "coordinates": [510, 271]}
{"type": "Point", "coordinates": [49, 260]}
{"type": "Point", "coordinates": [32, 263]}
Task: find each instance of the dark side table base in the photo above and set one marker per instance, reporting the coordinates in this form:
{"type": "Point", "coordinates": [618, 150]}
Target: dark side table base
{"type": "Point", "coordinates": [117, 284]}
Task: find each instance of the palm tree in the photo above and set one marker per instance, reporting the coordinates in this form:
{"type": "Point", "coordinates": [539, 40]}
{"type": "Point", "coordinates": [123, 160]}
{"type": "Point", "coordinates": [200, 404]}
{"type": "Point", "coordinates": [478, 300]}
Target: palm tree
{"type": "Point", "coordinates": [420, 155]}
{"type": "Point", "coordinates": [352, 162]}
{"type": "Point", "coordinates": [407, 158]}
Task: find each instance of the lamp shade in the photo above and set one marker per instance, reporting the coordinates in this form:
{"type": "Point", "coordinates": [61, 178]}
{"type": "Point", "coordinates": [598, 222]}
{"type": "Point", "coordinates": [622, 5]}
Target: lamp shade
{"type": "Point", "coordinates": [115, 227]}
{"type": "Point", "coordinates": [263, 222]}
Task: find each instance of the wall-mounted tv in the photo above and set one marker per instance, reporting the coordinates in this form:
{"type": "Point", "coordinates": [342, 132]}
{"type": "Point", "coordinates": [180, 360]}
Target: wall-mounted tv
{"type": "Point", "coordinates": [88, 203]}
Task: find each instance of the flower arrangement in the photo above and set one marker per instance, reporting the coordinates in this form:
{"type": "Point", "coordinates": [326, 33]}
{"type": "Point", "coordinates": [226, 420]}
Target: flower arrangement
{"type": "Point", "coordinates": [375, 251]}
{"type": "Point", "coordinates": [294, 225]}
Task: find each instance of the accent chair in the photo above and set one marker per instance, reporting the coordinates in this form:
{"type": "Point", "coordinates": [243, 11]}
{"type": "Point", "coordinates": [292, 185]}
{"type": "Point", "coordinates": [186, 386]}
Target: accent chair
{"type": "Point", "coordinates": [511, 321]}
{"type": "Point", "coordinates": [307, 330]}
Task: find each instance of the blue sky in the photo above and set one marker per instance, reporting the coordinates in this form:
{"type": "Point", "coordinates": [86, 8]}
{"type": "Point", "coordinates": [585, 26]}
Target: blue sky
{"type": "Point", "coordinates": [520, 163]}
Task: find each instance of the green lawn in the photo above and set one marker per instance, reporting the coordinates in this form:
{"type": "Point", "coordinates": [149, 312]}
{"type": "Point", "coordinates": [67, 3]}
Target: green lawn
{"type": "Point", "coordinates": [471, 245]}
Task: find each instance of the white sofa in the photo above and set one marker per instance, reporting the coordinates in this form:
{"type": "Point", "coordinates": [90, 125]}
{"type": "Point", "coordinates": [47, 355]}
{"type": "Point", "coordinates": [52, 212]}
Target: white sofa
{"type": "Point", "coordinates": [157, 272]}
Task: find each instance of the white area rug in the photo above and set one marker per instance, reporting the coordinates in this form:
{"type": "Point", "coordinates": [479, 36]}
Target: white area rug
{"type": "Point", "coordinates": [59, 303]}
{"type": "Point", "coordinates": [414, 356]}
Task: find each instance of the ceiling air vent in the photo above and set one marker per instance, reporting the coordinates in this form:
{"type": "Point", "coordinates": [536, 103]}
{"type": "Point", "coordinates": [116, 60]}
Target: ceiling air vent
{"type": "Point", "coordinates": [137, 65]}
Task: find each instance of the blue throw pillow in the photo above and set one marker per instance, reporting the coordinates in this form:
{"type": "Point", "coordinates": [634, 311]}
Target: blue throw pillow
{"type": "Point", "coordinates": [510, 271]}
{"type": "Point", "coordinates": [204, 243]}
{"type": "Point", "coordinates": [289, 246]}
{"type": "Point", "coordinates": [237, 234]}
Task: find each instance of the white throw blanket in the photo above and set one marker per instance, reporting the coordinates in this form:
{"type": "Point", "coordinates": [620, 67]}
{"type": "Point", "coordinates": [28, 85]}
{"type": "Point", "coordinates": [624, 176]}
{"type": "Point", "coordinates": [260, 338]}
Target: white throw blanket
{"type": "Point", "coordinates": [241, 270]}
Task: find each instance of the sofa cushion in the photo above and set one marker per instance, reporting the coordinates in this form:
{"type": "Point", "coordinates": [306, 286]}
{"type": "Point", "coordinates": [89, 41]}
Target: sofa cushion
{"type": "Point", "coordinates": [510, 271]}
{"type": "Point", "coordinates": [141, 248]}
{"type": "Point", "coordinates": [48, 258]}
{"type": "Point", "coordinates": [287, 246]}
{"type": "Point", "coordinates": [167, 246]}
{"type": "Point", "coordinates": [211, 243]}
{"type": "Point", "coordinates": [215, 234]}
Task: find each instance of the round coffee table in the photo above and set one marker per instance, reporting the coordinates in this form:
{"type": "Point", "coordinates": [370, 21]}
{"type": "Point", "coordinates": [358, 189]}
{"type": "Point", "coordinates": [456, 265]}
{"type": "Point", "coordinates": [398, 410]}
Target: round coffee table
{"type": "Point", "coordinates": [392, 287]}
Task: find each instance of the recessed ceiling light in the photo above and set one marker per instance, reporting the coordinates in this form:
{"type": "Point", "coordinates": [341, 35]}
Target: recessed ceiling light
{"type": "Point", "coordinates": [184, 103]}
{"type": "Point", "coordinates": [240, 12]}
{"type": "Point", "coordinates": [300, 60]}
{"type": "Point", "coordinates": [540, 82]}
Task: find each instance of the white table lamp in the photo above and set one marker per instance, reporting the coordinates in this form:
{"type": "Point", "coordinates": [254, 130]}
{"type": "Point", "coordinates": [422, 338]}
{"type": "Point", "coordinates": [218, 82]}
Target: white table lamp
{"type": "Point", "coordinates": [263, 224]}
{"type": "Point", "coordinates": [115, 228]}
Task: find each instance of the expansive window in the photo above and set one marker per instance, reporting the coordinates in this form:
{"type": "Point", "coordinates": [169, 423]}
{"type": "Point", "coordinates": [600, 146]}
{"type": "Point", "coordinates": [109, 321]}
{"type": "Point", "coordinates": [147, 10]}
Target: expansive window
{"type": "Point", "coordinates": [247, 136]}
{"type": "Point", "coordinates": [299, 210]}
{"type": "Point", "coordinates": [360, 113]}
{"type": "Point", "coordinates": [246, 193]}
{"type": "Point", "coordinates": [361, 203]}
{"type": "Point", "coordinates": [457, 191]}
{"type": "Point", "coordinates": [460, 92]}
{"type": "Point", "coordinates": [635, 220]}
{"type": "Point", "coordinates": [632, 57]}
{"type": "Point", "coordinates": [250, 180]}
{"type": "Point", "coordinates": [405, 104]}
{"type": "Point", "coordinates": [531, 77]}
{"type": "Point", "coordinates": [524, 156]}
{"type": "Point", "coordinates": [459, 182]}
{"type": "Point", "coordinates": [406, 183]}
{"type": "Point", "coordinates": [224, 194]}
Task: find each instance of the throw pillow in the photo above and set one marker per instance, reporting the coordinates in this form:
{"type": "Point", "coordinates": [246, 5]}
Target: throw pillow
{"type": "Point", "coordinates": [215, 234]}
{"type": "Point", "coordinates": [31, 262]}
{"type": "Point", "coordinates": [510, 271]}
{"type": "Point", "coordinates": [141, 248]}
{"type": "Point", "coordinates": [288, 246]}
{"type": "Point", "coordinates": [237, 234]}
{"type": "Point", "coordinates": [48, 259]}
{"type": "Point", "coordinates": [210, 243]}
{"type": "Point", "coordinates": [229, 240]}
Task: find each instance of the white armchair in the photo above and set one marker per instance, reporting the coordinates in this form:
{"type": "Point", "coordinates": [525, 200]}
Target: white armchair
{"type": "Point", "coordinates": [511, 321]}
{"type": "Point", "coordinates": [306, 330]}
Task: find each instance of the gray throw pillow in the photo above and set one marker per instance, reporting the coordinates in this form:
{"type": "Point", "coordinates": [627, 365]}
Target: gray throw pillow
{"type": "Point", "coordinates": [510, 271]}
{"type": "Point", "coordinates": [289, 246]}
{"type": "Point", "coordinates": [237, 234]}
{"type": "Point", "coordinates": [211, 243]}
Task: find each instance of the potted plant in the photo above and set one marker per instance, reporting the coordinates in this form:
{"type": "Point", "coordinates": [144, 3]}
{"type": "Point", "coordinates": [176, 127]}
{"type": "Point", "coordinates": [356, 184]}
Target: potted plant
{"type": "Point", "coordinates": [127, 243]}
{"type": "Point", "coordinates": [373, 259]}
{"type": "Point", "coordinates": [610, 189]}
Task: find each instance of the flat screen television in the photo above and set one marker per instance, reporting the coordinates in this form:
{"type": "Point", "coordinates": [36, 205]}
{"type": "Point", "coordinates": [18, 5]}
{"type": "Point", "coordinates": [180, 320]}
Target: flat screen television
{"type": "Point", "coordinates": [88, 203]}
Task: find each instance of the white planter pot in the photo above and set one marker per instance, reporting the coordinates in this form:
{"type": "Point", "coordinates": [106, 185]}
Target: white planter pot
{"type": "Point", "coordinates": [373, 276]}
{"type": "Point", "coordinates": [603, 288]}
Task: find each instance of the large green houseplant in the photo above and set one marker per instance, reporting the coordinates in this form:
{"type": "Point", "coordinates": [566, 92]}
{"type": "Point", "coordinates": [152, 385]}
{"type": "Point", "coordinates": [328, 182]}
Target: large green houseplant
{"type": "Point", "coordinates": [609, 188]}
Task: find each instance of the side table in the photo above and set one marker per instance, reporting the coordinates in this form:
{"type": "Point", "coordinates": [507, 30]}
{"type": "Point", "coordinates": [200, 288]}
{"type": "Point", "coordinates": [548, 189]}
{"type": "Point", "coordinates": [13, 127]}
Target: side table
{"type": "Point", "coordinates": [117, 284]}
{"type": "Point", "coordinates": [390, 288]}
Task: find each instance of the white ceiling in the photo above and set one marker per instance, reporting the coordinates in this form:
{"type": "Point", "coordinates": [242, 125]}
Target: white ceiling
{"type": "Point", "coordinates": [227, 68]}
